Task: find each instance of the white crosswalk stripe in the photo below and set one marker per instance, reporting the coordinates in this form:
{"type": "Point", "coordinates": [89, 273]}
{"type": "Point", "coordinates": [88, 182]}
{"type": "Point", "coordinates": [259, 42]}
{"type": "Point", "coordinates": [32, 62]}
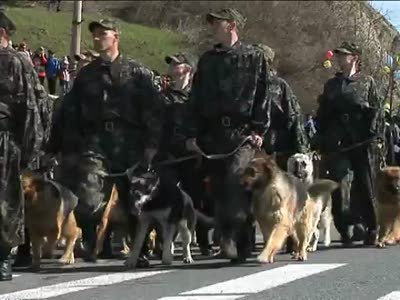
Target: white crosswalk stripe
{"type": "Point", "coordinates": [254, 283]}
{"type": "Point", "coordinates": [392, 296]}
{"type": "Point", "coordinates": [77, 285]}
{"type": "Point", "coordinates": [235, 288]}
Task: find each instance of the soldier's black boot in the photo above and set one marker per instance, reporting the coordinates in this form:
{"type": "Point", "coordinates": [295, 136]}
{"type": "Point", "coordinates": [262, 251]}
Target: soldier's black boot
{"type": "Point", "coordinates": [143, 260]}
{"type": "Point", "coordinates": [23, 257]}
{"type": "Point", "coordinates": [5, 269]}
{"type": "Point", "coordinates": [107, 252]}
{"type": "Point", "coordinates": [370, 238]}
{"type": "Point", "coordinates": [5, 264]}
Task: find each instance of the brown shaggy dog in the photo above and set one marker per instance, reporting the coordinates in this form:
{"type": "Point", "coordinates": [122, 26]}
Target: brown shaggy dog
{"type": "Point", "coordinates": [388, 205]}
{"type": "Point", "coordinates": [48, 216]}
{"type": "Point", "coordinates": [283, 206]}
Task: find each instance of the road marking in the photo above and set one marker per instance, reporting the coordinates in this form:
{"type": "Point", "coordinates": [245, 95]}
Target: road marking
{"type": "Point", "coordinates": [58, 289]}
{"type": "Point", "coordinates": [392, 296]}
{"type": "Point", "coordinates": [254, 283]}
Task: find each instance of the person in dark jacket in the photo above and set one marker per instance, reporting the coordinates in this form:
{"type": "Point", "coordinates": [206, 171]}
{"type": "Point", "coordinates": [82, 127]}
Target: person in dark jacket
{"type": "Point", "coordinates": [229, 102]}
{"type": "Point", "coordinates": [22, 134]}
{"type": "Point", "coordinates": [286, 135]}
{"type": "Point", "coordinates": [109, 121]}
{"type": "Point", "coordinates": [348, 126]}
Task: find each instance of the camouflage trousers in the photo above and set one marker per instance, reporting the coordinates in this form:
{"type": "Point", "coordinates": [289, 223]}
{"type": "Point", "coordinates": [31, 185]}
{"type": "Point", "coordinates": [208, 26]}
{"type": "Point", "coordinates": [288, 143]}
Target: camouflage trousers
{"type": "Point", "coordinates": [11, 197]}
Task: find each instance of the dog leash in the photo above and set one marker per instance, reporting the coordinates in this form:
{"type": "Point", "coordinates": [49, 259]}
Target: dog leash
{"type": "Point", "coordinates": [129, 172]}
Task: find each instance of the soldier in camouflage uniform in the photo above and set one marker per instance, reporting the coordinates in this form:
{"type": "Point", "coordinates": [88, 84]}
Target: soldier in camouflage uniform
{"type": "Point", "coordinates": [229, 101]}
{"type": "Point", "coordinates": [348, 115]}
{"type": "Point", "coordinates": [286, 135]}
{"type": "Point", "coordinates": [22, 135]}
{"type": "Point", "coordinates": [114, 106]}
{"type": "Point", "coordinates": [175, 96]}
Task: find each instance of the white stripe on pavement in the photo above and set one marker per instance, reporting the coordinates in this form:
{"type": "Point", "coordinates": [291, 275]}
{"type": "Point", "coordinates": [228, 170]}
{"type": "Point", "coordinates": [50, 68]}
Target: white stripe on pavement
{"type": "Point", "coordinates": [254, 283]}
{"type": "Point", "coordinates": [58, 289]}
{"type": "Point", "coordinates": [391, 296]}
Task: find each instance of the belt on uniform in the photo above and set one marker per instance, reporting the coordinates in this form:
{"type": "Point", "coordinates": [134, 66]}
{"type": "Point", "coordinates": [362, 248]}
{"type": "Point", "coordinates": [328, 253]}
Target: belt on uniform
{"type": "Point", "coordinates": [230, 122]}
{"type": "Point", "coordinates": [109, 126]}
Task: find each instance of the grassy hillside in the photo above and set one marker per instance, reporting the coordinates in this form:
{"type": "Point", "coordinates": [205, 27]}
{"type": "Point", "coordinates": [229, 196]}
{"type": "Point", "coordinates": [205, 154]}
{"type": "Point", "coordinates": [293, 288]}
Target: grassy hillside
{"type": "Point", "coordinates": [39, 27]}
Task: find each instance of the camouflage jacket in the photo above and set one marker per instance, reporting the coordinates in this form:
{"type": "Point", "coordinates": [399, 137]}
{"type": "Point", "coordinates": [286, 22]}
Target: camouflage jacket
{"type": "Point", "coordinates": [175, 102]}
{"type": "Point", "coordinates": [24, 101]}
{"type": "Point", "coordinates": [229, 83]}
{"type": "Point", "coordinates": [349, 112]}
{"type": "Point", "coordinates": [287, 132]}
{"type": "Point", "coordinates": [122, 95]}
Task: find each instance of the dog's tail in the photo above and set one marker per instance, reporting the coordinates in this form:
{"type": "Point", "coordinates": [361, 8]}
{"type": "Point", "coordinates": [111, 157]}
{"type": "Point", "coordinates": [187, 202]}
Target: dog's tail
{"type": "Point", "coordinates": [322, 187]}
{"type": "Point", "coordinates": [204, 220]}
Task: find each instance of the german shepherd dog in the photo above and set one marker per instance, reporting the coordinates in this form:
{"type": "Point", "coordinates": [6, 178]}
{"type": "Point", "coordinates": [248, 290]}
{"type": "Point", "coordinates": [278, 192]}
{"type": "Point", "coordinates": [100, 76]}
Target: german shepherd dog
{"type": "Point", "coordinates": [388, 204]}
{"type": "Point", "coordinates": [49, 215]}
{"type": "Point", "coordinates": [170, 207]}
{"type": "Point", "coordinates": [302, 166]}
{"type": "Point", "coordinates": [113, 214]}
{"type": "Point", "coordinates": [283, 206]}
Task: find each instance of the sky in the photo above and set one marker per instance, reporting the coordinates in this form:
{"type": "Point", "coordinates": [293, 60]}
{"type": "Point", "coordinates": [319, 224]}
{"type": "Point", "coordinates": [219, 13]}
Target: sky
{"type": "Point", "coordinates": [390, 9]}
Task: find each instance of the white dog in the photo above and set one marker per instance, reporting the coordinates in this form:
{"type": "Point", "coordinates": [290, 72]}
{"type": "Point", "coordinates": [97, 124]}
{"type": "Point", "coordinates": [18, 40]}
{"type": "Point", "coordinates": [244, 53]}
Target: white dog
{"type": "Point", "coordinates": [302, 166]}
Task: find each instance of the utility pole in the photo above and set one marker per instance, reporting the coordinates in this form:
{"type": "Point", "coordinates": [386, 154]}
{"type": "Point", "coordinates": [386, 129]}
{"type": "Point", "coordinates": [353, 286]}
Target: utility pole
{"type": "Point", "coordinates": [76, 30]}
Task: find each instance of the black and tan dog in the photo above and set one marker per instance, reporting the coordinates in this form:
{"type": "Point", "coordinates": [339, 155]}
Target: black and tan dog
{"type": "Point", "coordinates": [388, 205]}
{"type": "Point", "coordinates": [49, 216]}
{"type": "Point", "coordinates": [283, 206]}
{"type": "Point", "coordinates": [156, 200]}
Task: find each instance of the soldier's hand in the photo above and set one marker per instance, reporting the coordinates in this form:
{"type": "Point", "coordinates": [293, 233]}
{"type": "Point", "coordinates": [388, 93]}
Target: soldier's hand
{"type": "Point", "coordinates": [256, 140]}
{"type": "Point", "coordinates": [191, 145]}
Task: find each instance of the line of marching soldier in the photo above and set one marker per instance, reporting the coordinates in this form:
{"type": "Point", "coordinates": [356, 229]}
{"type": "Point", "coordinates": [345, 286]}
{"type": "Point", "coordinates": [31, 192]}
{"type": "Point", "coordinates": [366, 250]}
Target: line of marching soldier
{"type": "Point", "coordinates": [113, 118]}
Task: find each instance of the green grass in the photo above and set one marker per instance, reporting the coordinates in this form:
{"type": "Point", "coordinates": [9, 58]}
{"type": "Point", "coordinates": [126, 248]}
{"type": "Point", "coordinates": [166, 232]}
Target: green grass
{"type": "Point", "coordinates": [39, 27]}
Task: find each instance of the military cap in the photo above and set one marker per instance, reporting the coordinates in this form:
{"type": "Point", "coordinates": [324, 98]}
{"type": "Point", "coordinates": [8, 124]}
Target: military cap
{"type": "Point", "coordinates": [268, 52]}
{"type": "Point", "coordinates": [109, 24]}
{"type": "Point", "coordinates": [228, 14]}
{"type": "Point", "coordinates": [181, 58]}
{"type": "Point", "coordinates": [348, 48]}
{"type": "Point", "coordinates": [7, 24]}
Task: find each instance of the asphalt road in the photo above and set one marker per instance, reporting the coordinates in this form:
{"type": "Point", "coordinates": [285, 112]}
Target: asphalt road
{"type": "Point", "coordinates": [335, 273]}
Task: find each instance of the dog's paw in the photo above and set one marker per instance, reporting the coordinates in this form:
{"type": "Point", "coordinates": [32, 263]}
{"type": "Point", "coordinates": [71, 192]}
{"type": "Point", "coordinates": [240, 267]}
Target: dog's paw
{"type": "Point", "coordinates": [312, 248]}
{"type": "Point", "coordinates": [265, 260]}
{"type": "Point", "coordinates": [302, 258]}
{"type": "Point", "coordinates": [188, 260]}
{"type": "Point", "coordinates": [381, 245]}
{"type": "Point", "coordinates": [294, 255]}
{"type": "Point", "coordinates": [67, 260]}
{"type": "Point", "coordinates": [327, 244]}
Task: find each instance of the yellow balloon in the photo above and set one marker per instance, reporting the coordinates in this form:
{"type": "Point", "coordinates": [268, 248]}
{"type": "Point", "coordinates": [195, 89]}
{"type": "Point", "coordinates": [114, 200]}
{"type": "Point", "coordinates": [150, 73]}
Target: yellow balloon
{"type": "Point", "coordinates": [327, 64]}
{"type": "Point", "coordinates": [386, 69]}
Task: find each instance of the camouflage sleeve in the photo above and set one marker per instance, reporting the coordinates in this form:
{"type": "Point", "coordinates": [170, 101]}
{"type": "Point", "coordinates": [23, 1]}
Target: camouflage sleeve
{"type": "Point", "coordinates": [261, 114]}
{"type": "Point", "coordinates": [65, 121]}
{"type": "Point", "coordinates": [193, 118]}
{"type": "Point", "coordinates": [147, 89]}
{"type": "Point", "coordinates": [44, 104]}
{"type": "Point", "coordinates": [295, 119]}
{"type": "Point", "coordinates": [145, 79]}
{"type": "Point", "coordinates": [153, 112]}
{"type": "Point", "coordinates": [29, 127]}
{"type": "Point", "coordinates": [376, 109]}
